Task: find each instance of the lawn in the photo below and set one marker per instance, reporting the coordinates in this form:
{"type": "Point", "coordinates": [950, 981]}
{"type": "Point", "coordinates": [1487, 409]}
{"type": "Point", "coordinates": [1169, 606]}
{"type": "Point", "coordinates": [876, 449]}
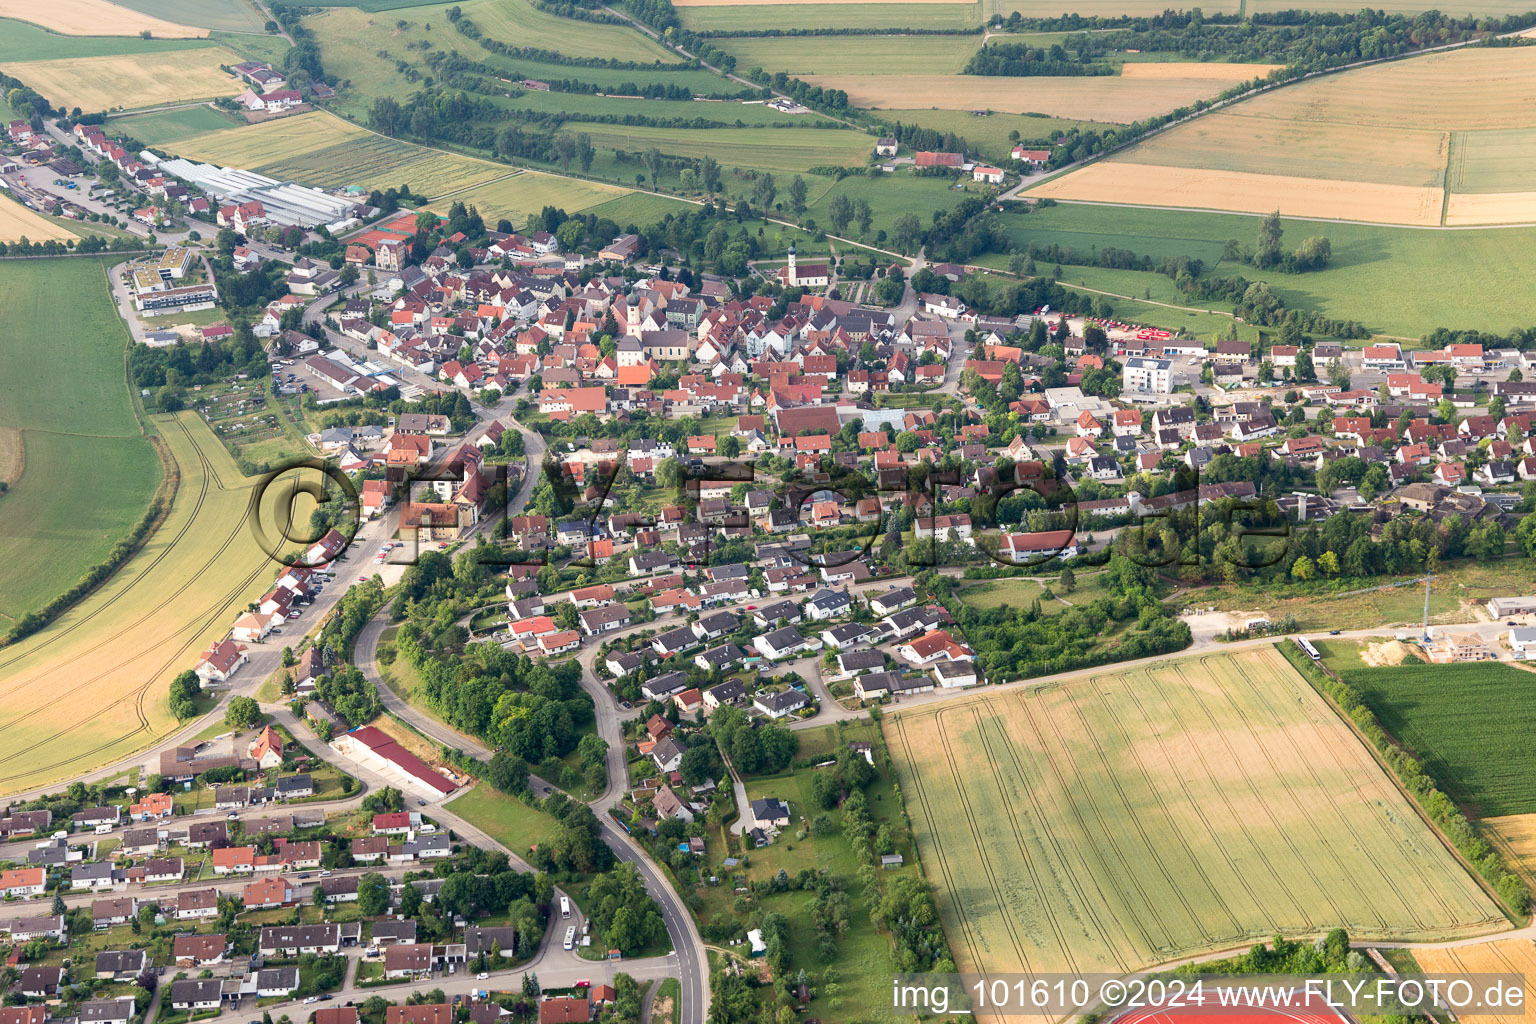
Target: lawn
{"type": "Point", "coordinates": [1021, 593]}
{"type": "Point", "coordinates": [167, 126]}
{"type": "Point", "coordinates": [1398, 281]}
{"type": "Point", "coordinates": [91, 687]}
{"type": "Point", "coordinates": [504, 818]}
{"type": "Point", "coordinates": [1125, 819]}
{"type": "Point", "coordinates": [131, 80]}
{"type": "Point", "coordinates": [990, 134]}
{"type": "Point", "coordinates": [20, 40]}
{"type": "Point", "coordinates": [1470, 724]}
{"type": "Point", "coordinates": [88, 474]}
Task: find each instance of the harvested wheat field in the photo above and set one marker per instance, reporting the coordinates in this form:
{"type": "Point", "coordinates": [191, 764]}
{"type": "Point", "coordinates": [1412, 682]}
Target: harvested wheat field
{"type": "Point", "coordinates": [131, 80]}
{"type": "Point", "coordinates": [1506, 956]}
{"type": "Point", "coordinates": [1116, 181]}
{"type": "Point", "coordinates": [95, 18]}
{"type": "Point", "coordinates": [1122, 819]}
{"type": "Point", "coordinates": [17, 221]}
{"type": "Point", "coordinates": [1111, 98]}
{"type": "Point", "coordinates": [1222, 71]}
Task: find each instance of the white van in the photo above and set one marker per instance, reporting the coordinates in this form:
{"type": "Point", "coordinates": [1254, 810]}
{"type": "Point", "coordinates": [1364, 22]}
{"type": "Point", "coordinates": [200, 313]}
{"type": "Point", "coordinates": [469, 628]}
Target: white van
{"type": "Point", "coordinates": [570, 937]}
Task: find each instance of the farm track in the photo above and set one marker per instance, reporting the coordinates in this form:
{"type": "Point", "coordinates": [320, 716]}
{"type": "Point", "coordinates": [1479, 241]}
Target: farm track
{"type": "Point", "coordinates": [137, 697]}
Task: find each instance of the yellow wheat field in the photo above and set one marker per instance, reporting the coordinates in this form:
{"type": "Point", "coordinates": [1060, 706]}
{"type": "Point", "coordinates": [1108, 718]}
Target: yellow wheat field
{"type": "Point", "coordinates": [1491, 208]}
{"type": "Point", "coordinates": [1507, 956]}
{"type": "Point", "coordinates": [1125, 818]}
{"type": "Point", "coordinates": [1220, 70]}
{"type": "Point", "coordinates": [94, 18]}
{"type": "Point", "coordinates": [130, 80]}
{"type": "Point", "coordinates": [1463, 90]}
{"type": "Point", "coordinates": [1114, 181]}
{"type": "Point", "coordinates": [1111, 98]}
{"type": "Point", "coordinates": [1515, 835]}
{"type": "Point", "coordinates": [17, 220]}
{"type": "Point", "coordinates": [282, 139]}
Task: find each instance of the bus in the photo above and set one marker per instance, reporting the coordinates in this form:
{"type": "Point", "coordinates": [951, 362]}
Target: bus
{"type": "Point", "coordinates": [565, 908]}
{"type": "Point", "coordinates": [1307, 647]}
{"type": "Point", "coordinates": [570, 937]}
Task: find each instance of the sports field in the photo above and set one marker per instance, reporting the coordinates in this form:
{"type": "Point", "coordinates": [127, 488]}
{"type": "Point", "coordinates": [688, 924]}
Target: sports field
{"type": "Point", "coordinates": [1129, 818]}
{"type": "Point", "coordinates": [130, 80]}
{"type": "Point", "coordinates": [525, 192]}
{"type": "Point", "coordinates": [1113, 98]}
{"type": "Point", "coordinates": [91, 687]}
{"type": "Point", "coordinates": [1442, 138]}
{"type": "Point", "coordinates": [1484, 762]}
{"type": "Point", "coordinates": [95, 18]}
{"type": "Point", "coordinates": [17, 221]}
{"type": "Point", "coordinates": [1506, 956]}
{"type": "Point", "coordinates": [771, 149]}
{"type": "Point", "coordinates": [89, 474]}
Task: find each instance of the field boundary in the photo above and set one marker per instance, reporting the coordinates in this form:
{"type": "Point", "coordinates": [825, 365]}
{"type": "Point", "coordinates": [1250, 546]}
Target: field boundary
{"type": "Point", "coordinates": [1285, 648]}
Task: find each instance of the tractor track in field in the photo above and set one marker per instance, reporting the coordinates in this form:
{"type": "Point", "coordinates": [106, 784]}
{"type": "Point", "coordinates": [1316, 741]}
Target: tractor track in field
{"type": "Point", "coordinates": [1226, 802]}
{"type": "Point", "coordinates": [1309, 764]}
{"type": "Point", "coordinates": [137, 696]}
{"type": "Point", "coordinates": [1029, 865]}
{"type": "Point", "coordinates": [967, 928]}
{"type": "Point", "coordinates": [1114, 779]}
{"type": "Point", "coordinates": [65, 631]}
{"type": "Point", "coordinates": [1104, 828]}
{"type": "Point", "coordinates": [1157, 792]}
{"type": "Point", "coordinates": [971, 824]}
{"type": "Point", "coordinates": [1337, 914]}
{"type": "Point", "coordinates": [1049, 836]}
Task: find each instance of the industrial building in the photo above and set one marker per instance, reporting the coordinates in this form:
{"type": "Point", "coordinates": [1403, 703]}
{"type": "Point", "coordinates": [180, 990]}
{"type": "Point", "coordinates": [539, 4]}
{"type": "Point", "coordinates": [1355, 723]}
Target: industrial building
{"type": "Point", "coordinates": [286, 204]}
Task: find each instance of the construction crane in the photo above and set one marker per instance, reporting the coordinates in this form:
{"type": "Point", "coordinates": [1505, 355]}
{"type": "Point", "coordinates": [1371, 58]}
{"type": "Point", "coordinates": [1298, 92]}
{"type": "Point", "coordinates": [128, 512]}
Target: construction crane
{"type": "Point", "coordinates": [1427, 573]}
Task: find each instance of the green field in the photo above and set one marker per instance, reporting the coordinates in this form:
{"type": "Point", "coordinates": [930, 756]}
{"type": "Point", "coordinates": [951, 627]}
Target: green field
{"type": "Point", "coordinates": [888, 195]}
{"type": "Point", "coordinates": [876, 15]}
{"type": "Point", "coordinates": [1470, 724]}
{"type": "Point", "coordinates": [638, 208]}
{"type": "Point", "coordinates": [222, 15]}
{"type": "Point", "coordinates": [853, 55]}
{"type": "Point", "coordinates": [1399, 281]}
{"type": "Point", "coordinates": [578, 106]}
{"type": "Point", "coordinates": [166, 126]}
{"type": "Point", "coordinates": [91, 687]}
{"type": "Point", "coordinates": [780, 150]}
{"type": "Point", "coordinates": [253, 47]}
{"type": "Point", "coordinates": [1122, 819]}
{"type": "Point", "coordinates": [1021, 593]}
{"type": "Point", "coordinates": [20, 40]}
{"type": "Point", "coordinates": [1491, 161]}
